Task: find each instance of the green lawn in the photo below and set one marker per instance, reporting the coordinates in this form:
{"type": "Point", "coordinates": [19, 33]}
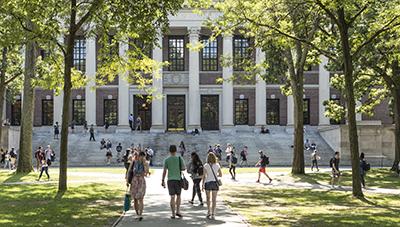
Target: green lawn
{"type": "Point", "coordinates": [289, 207]}
{"type": "Point", "coordinates": [89, 204]}
{"type": "Point", "coordinates": [225, 170]}
{"type": "Point", "coordinates": [381, 178]}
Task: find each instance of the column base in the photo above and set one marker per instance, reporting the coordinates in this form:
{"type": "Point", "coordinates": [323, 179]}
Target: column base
{"type": "Point", "coordinates": [157, 129]}
{"type": "Point", "coordinates": [228, 129]}
{"type": "Point", "coordinates": [191, 128]}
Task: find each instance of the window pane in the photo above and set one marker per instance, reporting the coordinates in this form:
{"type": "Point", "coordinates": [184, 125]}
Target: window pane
{"type": "Point", "coordinates": [176, 55]}
{"type": "Point", "coordinates": [306, 111]}
{"type": "Point", "coordinates": [209, 55]}
{"type": "Point", "coordinates": [78, 111]}
{"type": "Point", "coordinates": [47, 112]}
{"type": "Point", "coordinates": [80, 54]}
{"type": "Point", "coordinates": [16, 112]}
{"type": "Point", "coordinates": [241, 52]}
{"type": "Point", "coordinates": [241, 112]}
{"type": "Point", "coordinates": [111, 111]}
{"type": "Point", "coordinates": [273, 111]}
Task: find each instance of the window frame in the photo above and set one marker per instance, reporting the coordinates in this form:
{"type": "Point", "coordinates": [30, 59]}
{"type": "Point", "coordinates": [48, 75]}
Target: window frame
{"type": "Point", "coordinates": [78, 113]}
{"type": "Point", "coordinates": [238, 121]}
{"type": "Point", "coordinates": [79, 54]}
{"type": "Point", "coordinates": [109, 112]}
{"type": "Point", "coordinates": [245, 52]}
{"type": "Point", "coordinates": [16, 113]}
{"type": "Point", "coordinates": [278, 112]}
{"type": "Point", "coordinates": [208, 67]}
{"type": "Point", "coordinates": [306, 118]}
{"type": "Point", "coordinates": [46, 121]}
{"type": "Point", "coordinates": [177, 63]}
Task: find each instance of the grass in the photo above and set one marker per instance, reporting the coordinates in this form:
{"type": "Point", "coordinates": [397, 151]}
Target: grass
{"type": "Point", "coordinates": [240, 170]}
{"type": "Point", "coordinates": [294, 207]}
{"type": "Point", "coordinates": [381, 178]}
{"type": "Point", "coordinates": [89, 204]}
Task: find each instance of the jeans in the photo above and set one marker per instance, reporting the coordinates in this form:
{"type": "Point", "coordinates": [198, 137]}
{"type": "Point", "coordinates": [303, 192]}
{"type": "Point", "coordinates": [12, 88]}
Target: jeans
{"type": "Point", "coordinates": [362, 179]}
{"type": "Point", "coordinates": [91, 137]}
{"type": "Point", "coordinates": [314, 163]}
{"type": "Point", "coordinates": [46, 170]}
{"type": "Point", "coordinates": [196, 189]}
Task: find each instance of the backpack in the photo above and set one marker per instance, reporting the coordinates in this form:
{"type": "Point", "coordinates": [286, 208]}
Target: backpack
{"type": "Point", "coordinates": [331, 163]}
{"type": "Point", "coordinates": [199, 169]}
{"type": "Point", "coordinates": [234, 160]}
{"type": "Point", "coordinates": [265, 160]}
{"type": "Point", "coordinates": [242, 153]}
{"type": "Point", "coordinates": [367, 167]}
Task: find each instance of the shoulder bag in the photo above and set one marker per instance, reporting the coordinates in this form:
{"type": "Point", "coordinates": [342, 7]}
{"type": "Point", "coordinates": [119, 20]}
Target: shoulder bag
{"type": "Point", "coordinates": [184, 182]}
{"type": "Point", "coordinates": [219, 182]}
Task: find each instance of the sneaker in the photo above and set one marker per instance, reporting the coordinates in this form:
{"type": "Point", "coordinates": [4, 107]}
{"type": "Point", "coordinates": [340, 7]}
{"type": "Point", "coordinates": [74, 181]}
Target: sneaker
{"type": "Point", "coordinates": [270, 180]}
{"type": "Point", "coordinates": [179, 215]}
{"type": "Point", "coordinates": [258, 181]}
{"type": "Point", "coordinates": [208, 216]}
{"type": "Point", "coordinates": [191, 201]}
{"type": "Point", "coordinates": [201, 204]}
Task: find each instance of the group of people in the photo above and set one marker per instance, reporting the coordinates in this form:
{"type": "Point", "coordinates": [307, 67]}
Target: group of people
{"type": "Point", "coordinates": [135, 123]}
{"type": "Point", "coordinates": [44, 159]}
{"type": "Point", "coordinates": [205, 176]}
{"type": "Point", "coordinates": [8, 158]}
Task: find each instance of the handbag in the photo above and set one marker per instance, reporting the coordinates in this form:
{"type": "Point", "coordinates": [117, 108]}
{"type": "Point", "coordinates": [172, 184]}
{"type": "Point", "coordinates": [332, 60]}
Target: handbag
{"type": "Point", "coordinates": [184, 181]}
{"type": "Point", "coordinates": [127, 200]}
{"type": "Point", "coordinates": [219, 182]}
{"type": "Point", "coordinates": [130, 173]}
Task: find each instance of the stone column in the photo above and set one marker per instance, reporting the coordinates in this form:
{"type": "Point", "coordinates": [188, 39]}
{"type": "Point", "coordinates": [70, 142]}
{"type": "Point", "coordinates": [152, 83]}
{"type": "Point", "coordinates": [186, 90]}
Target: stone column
{"type": "Point", "coordinates": [324, 90]}
{"type": "Point", "coordinates": [157, 123]}
{"type": "Point", "coordinates": [123, 92]}
{"type": "Point", "coordinates": [57, 107]}
{"type": "Point", "coordinates": [290, 110]}
{"type": "Point", "coordinates": [358, 115]}
{"type": "Point", "coordinates": [261, 94]}
{"type": "Point", "coordinates": [194, 91]}
{"type": "Point", "coordinates": [90, 92]}
{"type": "Point", "coordinates": [227, 87]}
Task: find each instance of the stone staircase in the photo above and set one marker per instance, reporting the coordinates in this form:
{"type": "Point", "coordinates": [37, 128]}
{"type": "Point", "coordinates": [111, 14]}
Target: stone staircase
{"type": "Point", "coordinates": [277, 144]}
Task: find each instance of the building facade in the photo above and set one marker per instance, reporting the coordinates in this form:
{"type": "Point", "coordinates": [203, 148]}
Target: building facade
{"type": "Point", "coordinates": [192, 98]}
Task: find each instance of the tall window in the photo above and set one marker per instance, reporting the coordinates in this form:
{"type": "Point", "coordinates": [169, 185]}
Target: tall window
{"type": "Point", "coordinates": [306, 111]}
{"type": "Point", "coordinates": [176, 53]}
{"type": "Point", "coordinates": [111, 111]}
{"type": "Point", "coordinates": [78, 111]}
{"type": "Point", "coordinates": [209, 55]}
{"type": "Point", "coordinates": [47, 112]}
{"type": "Point", "coordinates": [145, 48]}
{"type": "Point", "coordinates": [80, 54]}
{"type": "Point", "coordinates": [273, 111]}
{"type": "Point", "coordinates": [241, 52]}
{"type": "Point", "coordinates": [16, 112]}
{"type": "Point", "coordinates": [241, 111]}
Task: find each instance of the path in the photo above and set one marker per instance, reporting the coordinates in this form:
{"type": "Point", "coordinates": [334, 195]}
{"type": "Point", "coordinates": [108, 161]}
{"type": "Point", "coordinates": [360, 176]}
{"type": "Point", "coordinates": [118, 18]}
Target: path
{"type": "Point", "coordinates": [157, 211]}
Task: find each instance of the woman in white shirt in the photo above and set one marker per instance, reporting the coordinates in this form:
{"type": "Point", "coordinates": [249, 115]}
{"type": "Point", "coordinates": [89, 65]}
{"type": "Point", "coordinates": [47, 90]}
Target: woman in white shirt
{"type": "Point", "coordinates": [212, 171]}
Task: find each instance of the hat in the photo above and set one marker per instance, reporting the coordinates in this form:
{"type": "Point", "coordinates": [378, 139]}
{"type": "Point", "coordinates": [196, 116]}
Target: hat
{"type": "Point", "coordinates": [260, 151]}
{"type": "Point", "coordinates": [218, 145]}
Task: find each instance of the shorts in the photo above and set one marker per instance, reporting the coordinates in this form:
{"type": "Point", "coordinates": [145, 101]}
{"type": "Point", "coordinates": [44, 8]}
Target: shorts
{"type": "Point", "coordinates": [335, 174]}
{"type": "Point", "coordinates": [262, 170]}
{"type": "Point", "coordinates": [211, 186]}
{"type": "Point", "coordinates": [174, 187]}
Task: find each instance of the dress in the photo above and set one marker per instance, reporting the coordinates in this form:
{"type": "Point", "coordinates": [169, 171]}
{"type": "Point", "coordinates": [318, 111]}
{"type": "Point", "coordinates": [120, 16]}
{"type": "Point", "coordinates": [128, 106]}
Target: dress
{"type": "Point", "coordinates": [138, 184]}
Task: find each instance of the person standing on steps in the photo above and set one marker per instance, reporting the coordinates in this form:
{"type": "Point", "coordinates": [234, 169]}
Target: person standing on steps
{"type": "Point", "coordinates": [139, 124]}
{"type": "Point", "coordinates": [130, 119]}
{"type": "Point", "coordinates": [174, 165]}
{"type": "Point", "coordinates": [182, 149]}
{"type": "Point", "coordinates": [138, 169]}
{"type": "Point", "coordinates": [263, 162]}
{"type": "Point", "coordinates": [314, 158]}
{"type": "Point", "coordinates": [195, 169]}
{"type": "Point", "coordinates": [91, 131]}
{"type": "Point", "coordinates": [334, 164]}
{"type": "Point", "coordinates": [56, 131]}
{"type": "Point", "coordinates": [211, 183]}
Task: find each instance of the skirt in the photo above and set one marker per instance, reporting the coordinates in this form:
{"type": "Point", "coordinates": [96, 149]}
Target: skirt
{"type": "Point", "coordinates": [138, 187]}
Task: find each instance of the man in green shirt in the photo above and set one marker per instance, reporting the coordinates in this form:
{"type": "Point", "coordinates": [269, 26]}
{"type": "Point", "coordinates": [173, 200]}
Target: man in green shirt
{"type": "Point", "coordinates": [174, 165]}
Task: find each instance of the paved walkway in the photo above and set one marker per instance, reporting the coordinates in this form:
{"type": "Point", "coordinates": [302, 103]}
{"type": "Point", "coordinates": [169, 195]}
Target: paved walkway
{"type": "Point", "coordinates": [157, 212]}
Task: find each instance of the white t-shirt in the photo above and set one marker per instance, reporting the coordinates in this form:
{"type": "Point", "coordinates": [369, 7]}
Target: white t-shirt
{"type": "Point", "coordinates": [209, 174]}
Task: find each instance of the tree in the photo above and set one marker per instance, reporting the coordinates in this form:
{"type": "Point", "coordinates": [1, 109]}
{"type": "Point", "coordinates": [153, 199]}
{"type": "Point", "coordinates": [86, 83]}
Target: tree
{"type": "Point", "coordinates": [273, 24]}
{"type": "Point", "coordinates": [67, 19]}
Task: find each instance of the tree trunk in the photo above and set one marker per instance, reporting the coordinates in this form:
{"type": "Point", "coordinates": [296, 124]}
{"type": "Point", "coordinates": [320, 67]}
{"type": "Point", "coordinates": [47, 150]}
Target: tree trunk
{"type": "Point", "coordinates": [351, 104]}
{"type": "Point", "coordinates": [298, 153]}
{"type": "Point", "coordinates": [26, 130]}
{"type": "Point", "coordinates": [396, 99]}
{"type": "Point", "coordinates": [2, 89]}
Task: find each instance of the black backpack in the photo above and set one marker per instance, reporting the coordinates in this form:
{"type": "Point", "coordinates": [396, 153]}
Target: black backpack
{"type": "Point", "coordinates": [265, 160]}
{"type": "Point", "coordinates": [331, 163]}
{"type": "Point", "coordinates": [198, 168]}
{"type": "Point", "coordinates": [234, 160]}
{"type": "Point", "coordinates": [367, 167]}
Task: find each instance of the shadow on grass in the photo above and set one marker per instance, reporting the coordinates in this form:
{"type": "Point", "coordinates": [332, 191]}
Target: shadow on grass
{"type": "Point", "coordinates": [16, 177]}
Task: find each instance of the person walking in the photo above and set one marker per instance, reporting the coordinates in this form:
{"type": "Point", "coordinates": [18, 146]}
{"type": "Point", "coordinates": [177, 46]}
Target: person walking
{"type": "Point", "coordinates": [174, 165]}
{"type": "Point", "coordinates": [119, 150]}
{"type": "Point", "coordinates": [13, 158]}
{"type": "Point", "coordinates": [91, 131]}
{"type": "Point", "coordinates": [314, 159]}
{"type": "Point", "coordinates": [44, 168]}
{"type": "Point", "coordinates": [39, 156]}
{"type": "Point", "coordinates": [243, 156]}
{"type": "Point", "coordinates": [7, 160]}
{"type": "Point", "coordinates": [130, 119]}
{"type": "Point", "coordinates": [218, 152]}
{"type": "Point", "coordinates": [85, 127]}
{"type": "Point", "coordinates": [228, 151]}
{"type": "Point", "coordinates": [138, 169]}
{"type": "Point", "coordinates": [182, 149]}
{"type": "Point", "coordinates": [211, 183]}
{"type": "Point", "coordinates": [334, 164]}
{"type": "Point", "coordinates": [196, 170]}
{"type": "Point", "coordinates": [150, 155]}
{"type": "Point", "coordinates": [56, 130]}
{"type": "Point", "coordinates": [108, 156]}
{"type": "Point", "coordinates": [3, 156]}
{"type": "Point", "coordinates": [364, 167]}
{"type": "Point", "coordinates": [232, 164]}
{"type": "Point", "coordinates": [263, 162]}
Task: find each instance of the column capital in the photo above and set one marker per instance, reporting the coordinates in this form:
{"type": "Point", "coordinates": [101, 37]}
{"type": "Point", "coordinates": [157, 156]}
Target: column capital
{"type": "Point", "coordinates": [227, 35]}
{"type": "Point", "coordinates": [194, 31]}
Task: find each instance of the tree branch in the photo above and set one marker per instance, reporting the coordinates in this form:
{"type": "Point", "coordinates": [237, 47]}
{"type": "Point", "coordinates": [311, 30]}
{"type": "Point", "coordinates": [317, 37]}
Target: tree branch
{"type": "Point", "coordinates": [12, 79]}
{"type": "Point", "coordinates": [327, 11]}
{"type": "Point", "coordinates": [88, 14]}
{"type": "Point", "coordinates": [358, 14]}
